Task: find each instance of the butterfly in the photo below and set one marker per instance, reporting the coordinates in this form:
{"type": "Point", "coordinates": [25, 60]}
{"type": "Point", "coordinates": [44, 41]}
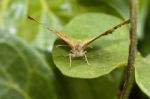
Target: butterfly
{"type": "Point", "coordinates": [78, 47]}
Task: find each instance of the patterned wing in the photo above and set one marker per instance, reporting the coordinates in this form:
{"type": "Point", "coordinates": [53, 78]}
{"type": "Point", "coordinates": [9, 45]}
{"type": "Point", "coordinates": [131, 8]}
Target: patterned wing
{"type": "Point", "coordinates": [63, 36]}
{"type": "Point", "coordinates": [109, 31]}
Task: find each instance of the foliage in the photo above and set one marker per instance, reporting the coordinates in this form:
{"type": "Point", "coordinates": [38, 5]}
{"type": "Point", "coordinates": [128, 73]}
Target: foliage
{"type": "Point", "coordinates": [27, 73]}
{"type": "Point", "coordinates": [23, 72]}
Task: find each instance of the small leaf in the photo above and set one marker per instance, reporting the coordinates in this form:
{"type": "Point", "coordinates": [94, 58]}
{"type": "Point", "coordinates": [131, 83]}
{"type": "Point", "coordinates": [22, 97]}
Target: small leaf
{"type": "Point", "coordinates": [142, 74]}
{"type": "Point", "coordinates": [23, 73]}
{"type": "Point", "coordinates": [108, 52]}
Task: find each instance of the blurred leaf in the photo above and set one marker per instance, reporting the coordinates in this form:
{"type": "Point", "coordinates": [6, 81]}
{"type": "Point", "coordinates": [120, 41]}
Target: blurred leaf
{"type": "Point", "coordinates": [71, 8]}
{"type": "Point", "coordinates": [105, 87]}
{"type": "Point", "coordinates": [101, 6]}
{"type": "Point", "coordinates": [143, 44]}
{"type": "Point", "coordinates": [23, 72]}
{"type": "Point", "coordinates": [143, 12]}
{"type": "Point", "coordinates": [107, 53]}
{"type": "Point", "coordinates": [121, 5]}
{"type": "Point", "coordinates": [142, 74]}
{"type": "Point", "coordinates": [14, 21]}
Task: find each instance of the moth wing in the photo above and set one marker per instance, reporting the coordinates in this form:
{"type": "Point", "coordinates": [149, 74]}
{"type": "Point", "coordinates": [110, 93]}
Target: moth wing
{"type": "Point", "coordinates": [63, 36]}
{"type": "Point", "coordinates": [109, 31]}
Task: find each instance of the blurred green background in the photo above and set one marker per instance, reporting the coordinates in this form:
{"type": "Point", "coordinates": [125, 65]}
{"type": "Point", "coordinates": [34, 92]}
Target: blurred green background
{"type": "Point", "coordinates": [38, 77]}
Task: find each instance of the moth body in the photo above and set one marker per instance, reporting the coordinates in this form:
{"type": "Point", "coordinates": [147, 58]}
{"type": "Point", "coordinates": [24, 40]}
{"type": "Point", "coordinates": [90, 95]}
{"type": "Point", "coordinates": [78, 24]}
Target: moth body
{"type": "Point", "coordinates": [77, 49]}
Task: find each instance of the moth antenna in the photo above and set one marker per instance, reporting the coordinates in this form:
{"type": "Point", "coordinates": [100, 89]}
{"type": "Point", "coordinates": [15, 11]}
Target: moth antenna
{"type": "Point", "coordinates": [109, 31]}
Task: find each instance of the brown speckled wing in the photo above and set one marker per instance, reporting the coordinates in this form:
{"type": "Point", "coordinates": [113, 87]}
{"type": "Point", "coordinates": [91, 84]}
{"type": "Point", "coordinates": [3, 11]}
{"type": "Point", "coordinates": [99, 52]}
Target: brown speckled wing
{"type": "Point", "coordinates": [109, 31]}
{"type": "Point", "coordinates": [63, 36]}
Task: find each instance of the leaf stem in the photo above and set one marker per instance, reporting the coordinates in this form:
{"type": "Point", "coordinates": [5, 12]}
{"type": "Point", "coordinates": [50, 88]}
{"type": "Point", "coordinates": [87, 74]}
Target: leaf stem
{"type": "Point", "coordinates": [129, 77]}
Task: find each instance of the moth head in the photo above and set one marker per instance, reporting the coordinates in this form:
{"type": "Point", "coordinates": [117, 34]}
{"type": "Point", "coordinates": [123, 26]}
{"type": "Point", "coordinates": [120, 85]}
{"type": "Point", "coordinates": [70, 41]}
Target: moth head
{"type": "Point", "coordinates": [78, 50]}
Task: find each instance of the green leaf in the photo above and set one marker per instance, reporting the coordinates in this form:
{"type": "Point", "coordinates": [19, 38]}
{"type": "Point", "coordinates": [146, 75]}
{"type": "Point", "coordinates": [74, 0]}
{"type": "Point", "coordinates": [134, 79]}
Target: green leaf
{"type": "Point", "coordinates": [142, 74]}
{"type": "Point", "coordinates": [108, 52]}
{"type": "Point", "coordinates": [23, 72]}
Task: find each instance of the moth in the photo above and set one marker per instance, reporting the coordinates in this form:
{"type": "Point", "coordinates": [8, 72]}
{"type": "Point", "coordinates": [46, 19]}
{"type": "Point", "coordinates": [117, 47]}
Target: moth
{"type": "Point", "coordinates": [78, 47]}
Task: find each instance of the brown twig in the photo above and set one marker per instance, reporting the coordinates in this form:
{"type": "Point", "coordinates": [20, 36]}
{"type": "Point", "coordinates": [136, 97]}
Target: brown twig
{"type": "Point", "coordinates": [129, 77]}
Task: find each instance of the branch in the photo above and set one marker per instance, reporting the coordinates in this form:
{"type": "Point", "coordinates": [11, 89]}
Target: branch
{"type": "Point", "coordinates": [129, 77]}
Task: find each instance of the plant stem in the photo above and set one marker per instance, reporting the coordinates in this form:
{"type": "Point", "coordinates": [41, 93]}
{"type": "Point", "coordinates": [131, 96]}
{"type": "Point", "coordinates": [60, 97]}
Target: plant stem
{"type": "Point", "coordinates": [129, 77]}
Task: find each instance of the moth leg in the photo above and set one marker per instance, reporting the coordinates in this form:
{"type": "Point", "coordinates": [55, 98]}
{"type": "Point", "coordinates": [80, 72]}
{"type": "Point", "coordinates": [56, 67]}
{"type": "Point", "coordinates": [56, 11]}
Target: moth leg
{"type": "Point", "coordinates": [86, 59]}
{"type": "Point", "coordinates": [61, 45]}
{"type": "Point", "coordinates": [70, 60]}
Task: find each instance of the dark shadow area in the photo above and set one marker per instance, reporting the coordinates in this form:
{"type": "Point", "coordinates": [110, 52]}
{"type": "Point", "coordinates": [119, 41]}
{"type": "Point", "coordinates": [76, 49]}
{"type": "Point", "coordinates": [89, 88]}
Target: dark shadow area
{"type": "Point", "coordinates": [136, 93]}
{"type": "Point", "coordinates": [144, 43]}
